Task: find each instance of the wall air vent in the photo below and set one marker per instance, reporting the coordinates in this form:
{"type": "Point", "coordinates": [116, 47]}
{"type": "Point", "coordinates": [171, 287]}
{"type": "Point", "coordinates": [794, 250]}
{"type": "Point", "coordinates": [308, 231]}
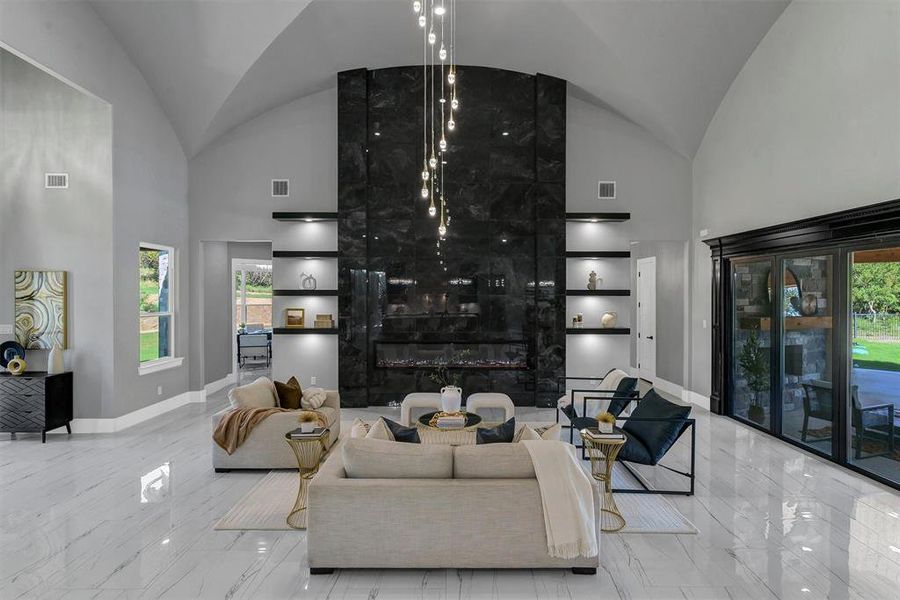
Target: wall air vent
{"type": "Point", "coordinates": [56, 181]}
{"type": "Point", "coordinates": [280, 188]}
{"type": "Point", "coordinates": [606, 190]}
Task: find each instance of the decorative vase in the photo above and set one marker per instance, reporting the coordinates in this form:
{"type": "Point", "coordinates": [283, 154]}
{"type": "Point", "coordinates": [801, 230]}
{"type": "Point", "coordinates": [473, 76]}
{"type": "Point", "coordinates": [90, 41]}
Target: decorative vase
{"type": "Point", "coordinates": [307, 282]}
{"type": "Point", "coordinates": [608, 320]}
{"type": "Point", "coordinates": [307, 426]}
{"type": "Point", "coordinates": [16, 366]}
{"type": "Point", "coordinates": [451, 399]}
{"type": "Point", "coordinates": [55, 363]}
{"type": "Point", "coordinates": [592, 281]}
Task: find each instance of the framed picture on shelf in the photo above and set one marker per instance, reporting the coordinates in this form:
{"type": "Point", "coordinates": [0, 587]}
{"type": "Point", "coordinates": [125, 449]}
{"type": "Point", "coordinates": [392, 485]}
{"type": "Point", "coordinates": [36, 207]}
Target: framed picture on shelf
{"type": "Point", "coordinates": [295, 318]}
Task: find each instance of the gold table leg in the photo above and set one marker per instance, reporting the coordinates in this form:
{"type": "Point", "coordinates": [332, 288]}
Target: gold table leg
{"type": "Point", "coordinates": [603, 457]}
{"type": "Point", "coordinates": [309, 454]}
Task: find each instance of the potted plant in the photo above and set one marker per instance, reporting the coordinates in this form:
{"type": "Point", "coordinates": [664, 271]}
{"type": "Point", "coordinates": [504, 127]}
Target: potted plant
{"type": "Point", "coordinates": [605, 422]}
{"type": "Point", "coordinates": [754, 362]}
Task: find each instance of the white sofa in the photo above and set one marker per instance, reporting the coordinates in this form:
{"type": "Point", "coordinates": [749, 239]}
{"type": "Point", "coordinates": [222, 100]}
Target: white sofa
{"type": "Point", "coordinates": [429, 507]}
{"type": "Point", "coordinates": [265, 447]}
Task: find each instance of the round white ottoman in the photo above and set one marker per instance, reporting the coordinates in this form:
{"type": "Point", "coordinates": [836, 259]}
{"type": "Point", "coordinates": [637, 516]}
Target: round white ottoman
{"type": "Point", "coordinates": [482, 400]}
{"type": "Point", "coordinates": [428, 400]}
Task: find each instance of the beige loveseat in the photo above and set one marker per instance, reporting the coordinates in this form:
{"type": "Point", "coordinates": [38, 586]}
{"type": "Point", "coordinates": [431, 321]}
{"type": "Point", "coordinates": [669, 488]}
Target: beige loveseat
{"type": "Point", "coordinates": [265, 447]}
{"type": "Point", "coordinates": [379, 504]}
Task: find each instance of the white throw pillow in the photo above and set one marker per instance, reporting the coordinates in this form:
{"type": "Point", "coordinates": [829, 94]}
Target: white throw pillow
{"type": "Point", "coordinates": [313, 398]}
{"type": "Point", "coordinates": [359, 429]}
{"type": "Point", "coordinates": [526, 433]}
{"type": "Point", "coordinates": [380, 431]}
{"type": "Point", "coordinates": [259, 394]}
{"type": "Point", "coordinates": [549, 433]}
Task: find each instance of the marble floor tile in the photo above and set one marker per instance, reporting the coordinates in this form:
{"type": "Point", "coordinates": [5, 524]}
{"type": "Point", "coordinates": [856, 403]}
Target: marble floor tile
{"type": "Point", "coordinates": [130, 515]}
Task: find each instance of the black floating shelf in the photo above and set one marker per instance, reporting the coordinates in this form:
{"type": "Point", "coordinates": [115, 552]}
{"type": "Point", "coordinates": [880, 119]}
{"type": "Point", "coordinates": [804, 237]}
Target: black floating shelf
{"type": "Point", "coordinates": [305, 217]}
{"type": "Point", "coordinates": [600, 254]}
{"type": "Point", "coordinates": [600, 217]}
{"type": "Point", "coordinates": [305, 331]}
{"type": "Point", "coordinates": [599, 331]}
{"type": "Point", "coordinates": [304, 292]}
{"type": "Point", "coordinates": [305, 254]}
{"type": "Point", "coordinates": [605, 292]}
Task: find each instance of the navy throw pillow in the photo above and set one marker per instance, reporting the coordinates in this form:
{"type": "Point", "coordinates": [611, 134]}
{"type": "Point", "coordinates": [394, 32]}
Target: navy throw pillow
{"type": "Point", "coordinates": [622, 396]}
{"type": "Point", "coordinates": [501, 434]}
{"type": "Point", "coordinates": [409, 435]}
{"type": "Point", "coordinates": [657, 436]}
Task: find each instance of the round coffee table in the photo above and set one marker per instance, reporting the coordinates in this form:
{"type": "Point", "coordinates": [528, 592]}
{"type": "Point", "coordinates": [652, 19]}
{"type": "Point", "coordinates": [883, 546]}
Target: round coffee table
{"type": "Point", "coordinates": [472, 421]}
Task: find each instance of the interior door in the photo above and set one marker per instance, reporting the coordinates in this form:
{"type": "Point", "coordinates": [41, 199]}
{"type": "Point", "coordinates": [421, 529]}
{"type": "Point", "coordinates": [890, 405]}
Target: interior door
{"type": "Point", "coordinates": [646, 313]}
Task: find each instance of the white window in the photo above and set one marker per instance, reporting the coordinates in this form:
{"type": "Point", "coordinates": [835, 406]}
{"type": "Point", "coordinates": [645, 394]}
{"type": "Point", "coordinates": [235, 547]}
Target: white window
{"type": "Point", "coordinates": [157, 308]}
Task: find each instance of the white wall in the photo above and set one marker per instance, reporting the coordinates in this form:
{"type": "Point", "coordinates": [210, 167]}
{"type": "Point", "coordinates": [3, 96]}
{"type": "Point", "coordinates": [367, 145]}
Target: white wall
{"type": "Point", "coordinates": [149, 180]}
{"type": "Point", "coordinates": [48, 126]}
{"type": "Point", "coordinates": [811, 125]}
{"type": "Point", "coordinates": [230, 199]}
{"type": "Point", "coordinates": [654, 185]}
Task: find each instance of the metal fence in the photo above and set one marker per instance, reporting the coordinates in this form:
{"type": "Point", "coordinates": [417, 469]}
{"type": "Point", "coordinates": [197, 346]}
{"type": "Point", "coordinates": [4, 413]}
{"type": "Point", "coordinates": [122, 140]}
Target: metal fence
{"type": "Point", "coordinates": [881, 327]}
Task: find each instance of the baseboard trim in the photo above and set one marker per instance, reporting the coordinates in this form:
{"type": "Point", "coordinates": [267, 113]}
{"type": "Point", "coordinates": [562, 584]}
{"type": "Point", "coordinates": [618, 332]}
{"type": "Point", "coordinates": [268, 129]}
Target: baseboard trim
{"type": "Point", "coordinates": [215, 386]}
{"type": "Point", "coordinates": [695, 398]}
{"type": "Point", "coordinates": [135, 417]}
{"type": "Point", "coordinates": [669, 387]}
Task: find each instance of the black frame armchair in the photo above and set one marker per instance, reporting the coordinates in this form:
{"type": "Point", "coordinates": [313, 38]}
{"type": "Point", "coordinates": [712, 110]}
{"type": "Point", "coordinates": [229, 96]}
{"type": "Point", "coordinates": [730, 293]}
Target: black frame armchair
{"type": "Point", "coordinates": [576, 422]}
{"type": "Point", "coordinates": [688, 423]}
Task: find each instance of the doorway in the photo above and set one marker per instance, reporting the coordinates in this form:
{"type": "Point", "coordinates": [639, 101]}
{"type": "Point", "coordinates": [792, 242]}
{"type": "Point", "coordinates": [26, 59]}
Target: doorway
{"type": "Point", "coordinates": [646, 318]}
{"type": "Point", "coordinates": [251, 318]}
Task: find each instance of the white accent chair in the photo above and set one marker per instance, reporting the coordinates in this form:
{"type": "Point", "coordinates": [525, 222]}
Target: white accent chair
{"type": "Point", "coordinates": [487, 400]}
{"type": "Point", "coordinates": [427, 400]}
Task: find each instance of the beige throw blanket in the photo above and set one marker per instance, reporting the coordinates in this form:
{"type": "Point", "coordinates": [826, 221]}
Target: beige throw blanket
{"type": "Point", "coordinates": [236, 425]}
{"type": "Point", "coordinates": [568, 499]}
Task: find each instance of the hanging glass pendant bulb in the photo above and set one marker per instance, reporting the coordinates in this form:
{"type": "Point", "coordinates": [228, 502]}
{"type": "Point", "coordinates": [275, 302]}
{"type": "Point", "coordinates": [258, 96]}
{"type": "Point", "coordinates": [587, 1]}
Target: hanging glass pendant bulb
{"type": "Point", "coordinates": [422, 21]}
{"type": "Point", "coordinates": [424, 191]}
{"type": "Point", "coordinates": [451, 76]}
{"type": "Point", "coordinates": [442, 230]}
{"type": "Point", "coordinates": [424, 170]}
{"type": "Point", "coordinates": [440, 10]}
{"type": "Point", "coordinates": [454, 103]}
{"type": "Point", "coordinates": [442, 144]}
{"type": "Point", "coordinates": [432, 38]}
{"type": "Point", "coordinates": [417, 7]}
{"type": "Point", "coordinates": [432, 210]}
{"type": "Point", "coordinates": [442, 53]}
{"type": "Point", "coordinates": [433, 160]}
{"type": "Point", "coordinates": [451, 124]}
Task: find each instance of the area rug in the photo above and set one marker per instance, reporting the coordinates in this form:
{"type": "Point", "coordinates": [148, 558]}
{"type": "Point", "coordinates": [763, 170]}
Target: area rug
{"type": "Point", "coordinates": [266, 505]}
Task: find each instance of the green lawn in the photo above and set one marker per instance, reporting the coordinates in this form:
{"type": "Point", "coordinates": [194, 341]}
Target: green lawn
{"type": "Point", "coordinates": [884, 356]}
{"type": "Point", "coordinates": [149, 345]}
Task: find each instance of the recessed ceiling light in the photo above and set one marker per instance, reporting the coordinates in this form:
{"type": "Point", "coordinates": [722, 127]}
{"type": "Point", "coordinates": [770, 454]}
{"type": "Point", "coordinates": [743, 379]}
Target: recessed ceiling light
{"type": "Point", "coordinates": [806, 548]}
{"type": "Point", "coordinates": [804, 590]}
{"type": "Point", "coordinates": [505, 133]}
{"type": "Point", "coordinates": [377, 134]}
{"type": "Point", "coordinates": [894, 549]}
{"type": "Point", "coordinates": [503, 240]}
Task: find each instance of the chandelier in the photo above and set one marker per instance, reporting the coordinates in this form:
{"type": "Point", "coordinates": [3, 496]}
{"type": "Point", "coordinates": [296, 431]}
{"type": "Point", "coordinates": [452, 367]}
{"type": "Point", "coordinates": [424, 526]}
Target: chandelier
{"type": "Point", "coordinates": [437, 20]}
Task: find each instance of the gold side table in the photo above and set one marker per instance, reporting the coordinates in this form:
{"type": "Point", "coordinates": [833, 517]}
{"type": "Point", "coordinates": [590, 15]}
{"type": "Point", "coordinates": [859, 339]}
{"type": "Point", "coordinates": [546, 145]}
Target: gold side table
{"type": "Point", "coordinates": [309, 452]}
{"type": "Point", "coordinates": [603, 456]}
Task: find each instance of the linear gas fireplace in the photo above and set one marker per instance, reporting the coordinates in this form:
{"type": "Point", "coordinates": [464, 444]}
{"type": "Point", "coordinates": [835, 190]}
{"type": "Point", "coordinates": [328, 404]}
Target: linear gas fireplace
{"type": "Point", "coordinates": [508, 355]}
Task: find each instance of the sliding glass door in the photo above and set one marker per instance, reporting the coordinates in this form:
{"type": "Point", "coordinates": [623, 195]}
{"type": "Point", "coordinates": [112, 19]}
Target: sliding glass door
{"type": "Point", "coordinates": [873, 401]}
{"type": "Point", "coordinates": [751, 345]}
{"type": "Point", "coordinates": [807, 393]}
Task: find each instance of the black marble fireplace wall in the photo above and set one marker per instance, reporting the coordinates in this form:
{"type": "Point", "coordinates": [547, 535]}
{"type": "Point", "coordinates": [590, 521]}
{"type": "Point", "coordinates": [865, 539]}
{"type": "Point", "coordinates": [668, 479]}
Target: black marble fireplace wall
{"type": "Point", "coordinates": [502, 280]}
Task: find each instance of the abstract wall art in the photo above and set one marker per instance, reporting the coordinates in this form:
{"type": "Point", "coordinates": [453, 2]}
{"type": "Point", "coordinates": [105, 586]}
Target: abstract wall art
{"type": "Point", "coordinates": [41, 298]}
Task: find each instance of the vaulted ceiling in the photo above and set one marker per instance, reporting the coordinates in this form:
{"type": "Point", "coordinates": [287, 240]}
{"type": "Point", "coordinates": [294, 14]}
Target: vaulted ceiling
{"type": "Point", "coordinates": [664, 64]}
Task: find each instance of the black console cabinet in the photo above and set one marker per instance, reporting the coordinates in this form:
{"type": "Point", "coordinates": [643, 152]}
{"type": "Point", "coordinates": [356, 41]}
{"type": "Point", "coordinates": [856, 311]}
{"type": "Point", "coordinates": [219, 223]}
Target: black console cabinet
{"type": "Point", "coordinates": [35, 401]}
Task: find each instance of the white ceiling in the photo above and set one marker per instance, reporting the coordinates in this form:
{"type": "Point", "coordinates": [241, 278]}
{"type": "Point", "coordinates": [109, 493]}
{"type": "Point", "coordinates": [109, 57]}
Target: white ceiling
{"type": "Point", "coordinates": [664, 64]}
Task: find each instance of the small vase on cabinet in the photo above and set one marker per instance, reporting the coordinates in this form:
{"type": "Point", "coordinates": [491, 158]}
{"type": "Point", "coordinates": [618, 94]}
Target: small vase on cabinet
{"type": "Point", "coordinates": [55, 363]}
{"type": "Point", "coordinates": [451, 399]}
